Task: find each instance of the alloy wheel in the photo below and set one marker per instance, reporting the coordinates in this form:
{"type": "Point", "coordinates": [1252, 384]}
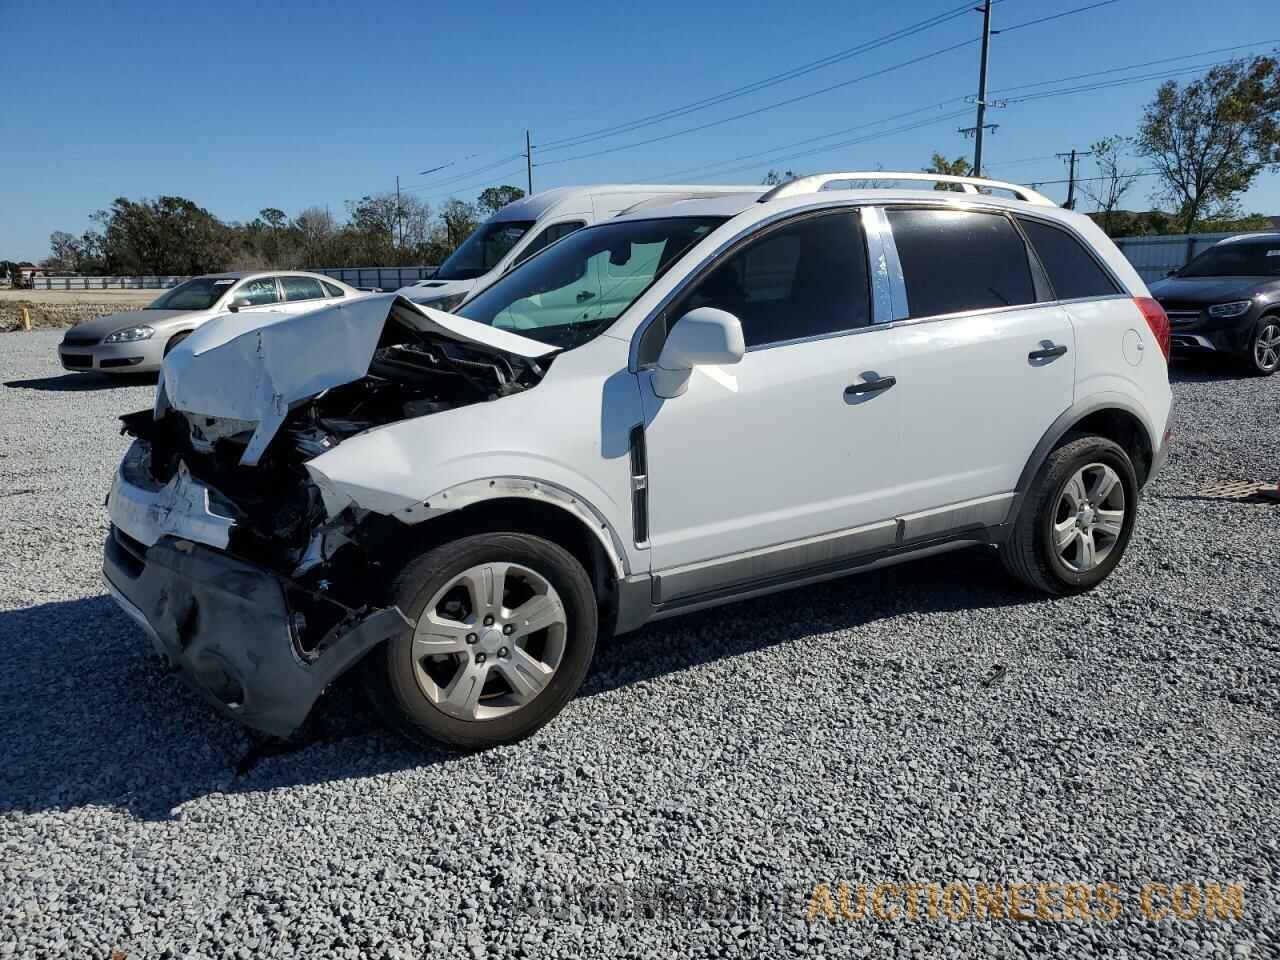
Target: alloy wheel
{"type": "Point", "coordinates": [489, 641]}
{"type": "Point", "coordinates": [1089, 517]}
{"type": "Point", "coordinates": [1266, 348]}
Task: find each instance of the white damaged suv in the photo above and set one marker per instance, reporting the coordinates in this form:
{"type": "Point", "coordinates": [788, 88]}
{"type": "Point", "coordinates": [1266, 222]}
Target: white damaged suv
{"type": "Point", "coordinates": [698, 402]}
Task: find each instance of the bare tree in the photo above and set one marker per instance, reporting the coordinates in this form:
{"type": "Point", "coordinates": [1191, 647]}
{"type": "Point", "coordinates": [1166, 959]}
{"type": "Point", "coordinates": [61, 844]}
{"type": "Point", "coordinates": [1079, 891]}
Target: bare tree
{"type": "Point", "coordinates": [1113, 182]}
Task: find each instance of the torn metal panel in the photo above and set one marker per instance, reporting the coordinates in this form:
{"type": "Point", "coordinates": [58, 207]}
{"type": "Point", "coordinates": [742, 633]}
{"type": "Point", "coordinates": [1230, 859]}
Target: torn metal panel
{"type": "Point", "coordinates": [146, 510]}
{"type": "Point", "coordinates": [254, 366]}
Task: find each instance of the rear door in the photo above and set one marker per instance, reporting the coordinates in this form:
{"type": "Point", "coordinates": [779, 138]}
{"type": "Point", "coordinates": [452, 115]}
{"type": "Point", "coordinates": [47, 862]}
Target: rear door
{"type": "Point", "coordinates": [987, 360]}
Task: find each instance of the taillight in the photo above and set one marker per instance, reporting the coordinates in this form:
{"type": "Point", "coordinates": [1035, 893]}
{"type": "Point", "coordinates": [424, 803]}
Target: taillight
{"type": "Point", "coordinates": [1157, 320]}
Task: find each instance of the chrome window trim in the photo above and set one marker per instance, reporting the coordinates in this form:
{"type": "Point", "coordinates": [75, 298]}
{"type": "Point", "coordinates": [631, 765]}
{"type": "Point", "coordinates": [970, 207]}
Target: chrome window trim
{"type": "Point", "coordinates": [888, 267]}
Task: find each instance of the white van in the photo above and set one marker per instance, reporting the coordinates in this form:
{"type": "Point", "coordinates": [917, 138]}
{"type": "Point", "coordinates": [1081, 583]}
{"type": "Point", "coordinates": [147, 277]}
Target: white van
{"type": "Point", "coordinates": [521, 229]}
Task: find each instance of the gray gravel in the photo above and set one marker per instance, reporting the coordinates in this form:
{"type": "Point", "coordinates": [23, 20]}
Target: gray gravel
{"type": "Point", "coordinates": [842, 732]}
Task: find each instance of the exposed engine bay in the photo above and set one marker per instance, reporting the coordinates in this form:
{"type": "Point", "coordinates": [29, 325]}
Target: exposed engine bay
{"type": "Point", "coordinates": [280, 520]}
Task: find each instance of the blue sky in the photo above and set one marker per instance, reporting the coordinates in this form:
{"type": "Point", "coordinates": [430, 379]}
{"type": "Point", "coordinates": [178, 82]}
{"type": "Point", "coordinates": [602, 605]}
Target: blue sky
{"type": "Point", "coordinates": [241, 105]}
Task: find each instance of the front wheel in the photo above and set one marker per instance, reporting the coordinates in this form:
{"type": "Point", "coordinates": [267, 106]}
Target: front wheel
{"type": "Point", "coordinates": [506, 628]}
{"type": "Point", "coordinates": [1263, 354]}
{"type": "Point", "coordinates": [1076, 519]}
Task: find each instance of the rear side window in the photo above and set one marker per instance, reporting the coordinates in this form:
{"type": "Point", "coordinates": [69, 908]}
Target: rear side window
{"type": "Point", "coordinates": [548, 237]}
{"type": "Point", "coordinates": [1072, 269]}
{"type": "Point", "coordinates": [803, 280]}
{"type": "Point", "coordinates": [957, 260]}
{"type": "Point", "coordinates": [301, 288]}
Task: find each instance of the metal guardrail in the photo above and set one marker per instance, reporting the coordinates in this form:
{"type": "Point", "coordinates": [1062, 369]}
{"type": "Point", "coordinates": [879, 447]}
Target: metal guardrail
{"type": "Point", "coordinates": [384, 278]}
{"type": "Point", "coordinates": [105, 283]}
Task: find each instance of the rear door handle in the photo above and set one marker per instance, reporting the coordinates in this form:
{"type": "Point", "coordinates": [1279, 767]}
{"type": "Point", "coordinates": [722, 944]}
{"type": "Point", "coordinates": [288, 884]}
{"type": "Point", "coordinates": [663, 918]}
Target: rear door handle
{"type": "Point", "coordinates": [1047, 353]}
{"type": "Point", "coordinates": [869, 386]}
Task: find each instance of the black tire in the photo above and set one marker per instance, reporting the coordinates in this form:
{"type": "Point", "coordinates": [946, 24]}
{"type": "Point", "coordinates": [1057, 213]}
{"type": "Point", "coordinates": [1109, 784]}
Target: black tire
{"type": "Point", "coordinates": [389, 672]}
{"type": "Point", "coordinates": [176, 339]}
{"type": "Point", "coordinates": [1028, 553]}
{"type": "Point", "coordinates": [1270, 325]}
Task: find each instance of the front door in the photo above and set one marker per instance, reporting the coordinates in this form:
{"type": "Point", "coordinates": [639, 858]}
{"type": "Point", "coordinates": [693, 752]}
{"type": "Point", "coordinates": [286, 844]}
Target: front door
{"type": "Point", "coordinates": [783, 461]}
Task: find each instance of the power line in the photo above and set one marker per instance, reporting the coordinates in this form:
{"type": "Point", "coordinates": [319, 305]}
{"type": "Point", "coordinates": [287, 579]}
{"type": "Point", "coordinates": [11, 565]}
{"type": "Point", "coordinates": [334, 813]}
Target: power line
{"type": "Point", "coordinates": [787, 102]}
{"type": "Point", "coordinates": [795, 72]}
{"type": "Point", "coordinates": [764, 109]}
{"type": "Point", "coordinates": [774, 151]}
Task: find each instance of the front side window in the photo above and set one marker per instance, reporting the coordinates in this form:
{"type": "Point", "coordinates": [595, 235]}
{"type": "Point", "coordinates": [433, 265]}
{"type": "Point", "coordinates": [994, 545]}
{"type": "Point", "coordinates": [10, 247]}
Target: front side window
{"type": "Point", "coordinates": [1248, 258]}
{"type": "Point", "coordinates": [301, 288]}
{"type": "Point", "coordinates": [958, 260]}
{"type": "Point", "coordinates": [483, 250]}
{"type": "Point", "coordinates": [578, 288]}
{"type": "Point", "coordinates": [198, 294]}
{"type": "Point", "coordinates": [806, 279]}
{"type": "Point", "coordinates": [1072, 270]}
{"type": "Point", "coordinates": [548, 237]}
{"type": "Point", "coordinates": [259, 291]}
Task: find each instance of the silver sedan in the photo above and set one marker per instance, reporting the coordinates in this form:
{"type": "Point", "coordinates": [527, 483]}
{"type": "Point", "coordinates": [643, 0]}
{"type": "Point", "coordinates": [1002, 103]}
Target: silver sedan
{"type": "Point", "coordinates": [134, 341]}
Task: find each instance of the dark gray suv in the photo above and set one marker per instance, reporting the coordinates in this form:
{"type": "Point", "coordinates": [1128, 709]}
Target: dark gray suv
{"type": "Point", "coordinates": [1227, 300]}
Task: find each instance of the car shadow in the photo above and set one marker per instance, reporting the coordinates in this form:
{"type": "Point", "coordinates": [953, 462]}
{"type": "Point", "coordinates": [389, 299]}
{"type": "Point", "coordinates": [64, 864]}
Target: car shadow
{"type": "Point", "coordinates": [81, 382]}
{"type": "Point", "coordinates": [92, 718]}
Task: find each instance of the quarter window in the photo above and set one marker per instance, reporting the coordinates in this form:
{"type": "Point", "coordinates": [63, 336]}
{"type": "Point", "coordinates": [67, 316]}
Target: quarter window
{"type": "Point", "coordinates": [957, 260]}
{"type": "Point", "coordinates": [301, 288]}
{"type": "Point", "coordinates": [333, 290]}
{"type": "Point", "coordinates": [258, 292]}
{"type": "Point", "coordinates": [806, 279]}
{"type": "Point", "coordinates": [1072, 269]}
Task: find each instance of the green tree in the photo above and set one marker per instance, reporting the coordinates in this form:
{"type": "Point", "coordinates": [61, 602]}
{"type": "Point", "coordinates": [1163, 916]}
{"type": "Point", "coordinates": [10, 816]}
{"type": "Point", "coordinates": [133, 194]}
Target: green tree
{"type": "Point", "coordinates": [494, 199]}
{"type": "Point", "coordinates": [959, 167]}
{"type": "Point", "coordinates": [168, 235]}
{"type": "Point", "coordinates": [460, 219]}
{"type": "Point", "coordinates": [1209, 139]}
{"type": "Point", "coordinates": [773, 177]}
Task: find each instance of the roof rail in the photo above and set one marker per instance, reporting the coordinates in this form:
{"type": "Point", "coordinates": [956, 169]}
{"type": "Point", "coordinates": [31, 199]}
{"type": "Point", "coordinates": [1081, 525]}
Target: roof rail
{"type": "Point", "coordinates": [816, 182]}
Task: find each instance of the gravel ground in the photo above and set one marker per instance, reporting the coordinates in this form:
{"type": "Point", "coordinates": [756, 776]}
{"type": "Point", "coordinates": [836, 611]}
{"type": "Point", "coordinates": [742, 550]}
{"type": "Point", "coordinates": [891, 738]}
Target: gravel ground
{"type": "Point", "coordinates": [860, 731]}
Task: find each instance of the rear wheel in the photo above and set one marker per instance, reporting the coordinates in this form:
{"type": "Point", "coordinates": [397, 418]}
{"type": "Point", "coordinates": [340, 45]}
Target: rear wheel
{"type": "Point", "coordinates": [1263, 354]}
{"type": "Point", "coordinates": [506, 628]}
{"type": "Point", "coordinates": [1076, 519]}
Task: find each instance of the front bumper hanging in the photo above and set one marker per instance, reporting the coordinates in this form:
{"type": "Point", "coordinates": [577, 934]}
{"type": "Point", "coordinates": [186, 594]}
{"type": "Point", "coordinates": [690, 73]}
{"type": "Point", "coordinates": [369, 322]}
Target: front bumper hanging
{"type": "Point", "coordinates": [229, 628]}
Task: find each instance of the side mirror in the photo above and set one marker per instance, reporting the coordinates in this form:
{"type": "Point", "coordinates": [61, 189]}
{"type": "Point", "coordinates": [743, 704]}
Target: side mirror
{"type": "Point", "coordinates": [702, 337]}
{"type": "Point", "coordinates": [239, 303]}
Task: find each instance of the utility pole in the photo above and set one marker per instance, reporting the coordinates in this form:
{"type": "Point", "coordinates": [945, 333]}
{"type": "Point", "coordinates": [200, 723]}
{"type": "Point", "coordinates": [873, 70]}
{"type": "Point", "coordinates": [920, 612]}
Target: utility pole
{"type": "Point", "coordinates": [1071, 175]}
{"type": "Point", "coordinates": [982, 88]}
{"type": "Point", "coordinates": [399, 225]}
{"type": "Point", "coordinates": [528, 156]}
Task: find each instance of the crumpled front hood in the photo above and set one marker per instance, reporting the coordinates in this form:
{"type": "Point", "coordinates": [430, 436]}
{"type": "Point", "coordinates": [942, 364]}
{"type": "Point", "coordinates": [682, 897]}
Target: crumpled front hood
{"type": "Point", "coordinates": [254, 366]}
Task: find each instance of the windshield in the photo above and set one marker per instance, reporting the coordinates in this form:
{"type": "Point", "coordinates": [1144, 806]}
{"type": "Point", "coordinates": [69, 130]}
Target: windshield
{"type": "Point", "coordinates": [573, 290]}
{"type": "Point", "coordinates": [483, 250]}
{"type": "Point", "coordinates": [198, 294]}
{"type": "Point", "coordinates": [1238, 259]}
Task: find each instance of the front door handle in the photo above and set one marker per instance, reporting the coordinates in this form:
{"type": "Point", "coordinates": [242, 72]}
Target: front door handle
{"type": "Point", "coordinates": [1047, 353]}
{"type": "Point", "coordinates": [869, 386]}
